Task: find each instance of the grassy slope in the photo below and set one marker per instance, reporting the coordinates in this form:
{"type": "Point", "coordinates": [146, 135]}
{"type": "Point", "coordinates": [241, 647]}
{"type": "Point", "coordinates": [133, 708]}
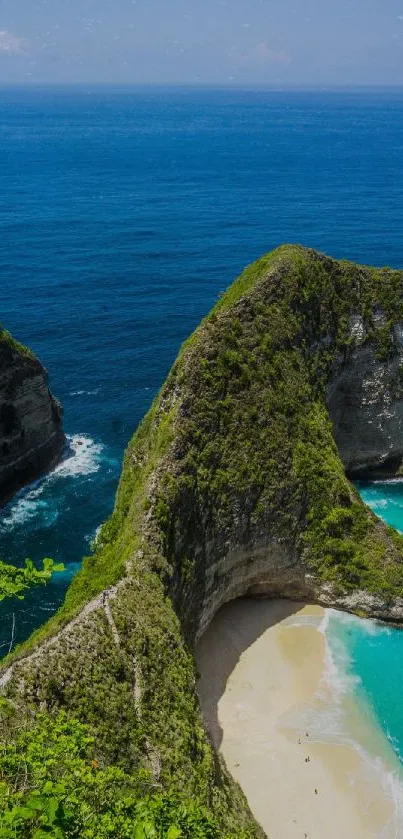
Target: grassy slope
{"type": "Point", "coordinates": [253, 420]}
{"type": "Point", "coordinates": [7, 340]}
{"type": "Point", "coordinates": [241, 416]}
{"type": "Point", "coordinates": [264, 373]}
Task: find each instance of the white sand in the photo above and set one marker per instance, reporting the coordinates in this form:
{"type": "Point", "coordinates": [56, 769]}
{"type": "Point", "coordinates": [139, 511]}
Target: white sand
{"type": "Point", "coordinates": [257, 671]}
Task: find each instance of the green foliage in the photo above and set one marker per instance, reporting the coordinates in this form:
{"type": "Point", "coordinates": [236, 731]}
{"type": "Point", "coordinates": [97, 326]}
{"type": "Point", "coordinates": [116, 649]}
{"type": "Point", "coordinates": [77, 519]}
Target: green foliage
{"type": "Point", "coordinates": [7, 340]}
{"type": "Point", "coordinates": [385, 345]}
{"type": "Point", "coordinates": [52, 785]}
{"type": "Point", "coordinates": [246, 377]}
{"type": "Point", "coordinates": [15, 581]}
{"type": "Point", "coordinates": [337, 522]}
{"type": "Point", "coordinates": [237, 450]}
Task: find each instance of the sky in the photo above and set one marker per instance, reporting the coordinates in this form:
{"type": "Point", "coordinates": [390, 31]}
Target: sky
{"type": "Point", "coordinates": [245, 42]}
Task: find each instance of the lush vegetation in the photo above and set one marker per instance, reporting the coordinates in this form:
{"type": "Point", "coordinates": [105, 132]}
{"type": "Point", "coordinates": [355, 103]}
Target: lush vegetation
{"type": "Point", "coordinates": [254, 428]}
{"type": "Point", "coordinates": [15, 581]}
{"type": "Point", "coordinates": [54, 782]}
{"type": "Point", "coordinates": [54, 785]}
{"type": "Point", "coordinates": [236, 449]}
{"type": "Point", "coordinates": [7, 340]}
{"type": "Point", "coordinates": [250, 378]}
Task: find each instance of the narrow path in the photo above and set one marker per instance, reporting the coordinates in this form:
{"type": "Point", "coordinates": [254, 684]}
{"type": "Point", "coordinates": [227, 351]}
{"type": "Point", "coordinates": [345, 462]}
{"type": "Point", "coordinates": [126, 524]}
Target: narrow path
{"type": "Point", "coordinates": [111, 622]}
{"type": "Point", "coordinates": [101, 601]}
{"type": "Point", "coordinates": [98, 602]}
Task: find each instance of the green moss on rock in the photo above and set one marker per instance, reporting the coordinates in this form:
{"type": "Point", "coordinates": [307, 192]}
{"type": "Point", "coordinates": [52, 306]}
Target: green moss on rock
{"type": "Point", "coordinates": [232, 483]}
{"type": "Point", "coordinates": [7, 340]}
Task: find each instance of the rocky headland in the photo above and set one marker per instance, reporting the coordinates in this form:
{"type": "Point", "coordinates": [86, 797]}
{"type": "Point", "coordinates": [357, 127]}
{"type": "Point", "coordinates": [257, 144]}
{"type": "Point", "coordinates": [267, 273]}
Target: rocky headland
{"type": "Point", "coordinates": [237, 482]}
{"type": "Point", "coordinates": [31, 432]}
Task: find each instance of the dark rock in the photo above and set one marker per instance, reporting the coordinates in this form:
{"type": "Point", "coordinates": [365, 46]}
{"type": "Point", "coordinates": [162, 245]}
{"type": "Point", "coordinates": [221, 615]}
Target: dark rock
{"type": "Point", "coordinates": [31, 432]}
{"type": "Point", "coordinates": [365, 400]}
{"type": "Point", "coordinates": [234, 484]}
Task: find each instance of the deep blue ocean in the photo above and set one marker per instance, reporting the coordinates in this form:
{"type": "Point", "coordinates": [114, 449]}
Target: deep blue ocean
{"type": "Point", "coordinates": [124, 213]}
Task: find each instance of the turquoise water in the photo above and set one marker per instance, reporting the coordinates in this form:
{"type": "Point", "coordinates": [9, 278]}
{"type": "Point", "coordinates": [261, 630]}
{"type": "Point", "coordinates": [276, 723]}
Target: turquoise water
{"type": "Point", "coordinates": [124, 213]}
{"type": "Point", "coordinates": [371, 654]}
{"type": "Point", "coordinates": [385, 498]}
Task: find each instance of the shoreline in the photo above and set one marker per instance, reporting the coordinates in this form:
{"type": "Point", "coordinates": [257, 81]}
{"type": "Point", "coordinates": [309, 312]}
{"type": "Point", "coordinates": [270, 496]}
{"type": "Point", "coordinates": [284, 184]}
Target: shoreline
{"type": "Point", "coordinates": [293, 740]}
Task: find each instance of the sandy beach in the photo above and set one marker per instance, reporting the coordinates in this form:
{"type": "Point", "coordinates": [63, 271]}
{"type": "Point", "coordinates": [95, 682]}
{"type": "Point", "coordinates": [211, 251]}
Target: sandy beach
{"type": "Point", "coordinates": [262, 666]}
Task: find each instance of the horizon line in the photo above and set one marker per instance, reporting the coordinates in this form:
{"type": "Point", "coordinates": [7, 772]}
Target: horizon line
{"type": "Point", "coordinates": [247, 86]}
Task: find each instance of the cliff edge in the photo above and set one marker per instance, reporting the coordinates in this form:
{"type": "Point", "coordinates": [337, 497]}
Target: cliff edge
{"type": "Point", "coordinates": [236, 482]}
{"type": "Point", "coordinates": [31, 433]}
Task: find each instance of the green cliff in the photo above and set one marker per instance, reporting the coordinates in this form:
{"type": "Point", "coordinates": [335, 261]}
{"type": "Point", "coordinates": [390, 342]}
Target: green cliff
{"type": "Point", "coordinates": [235, 483]}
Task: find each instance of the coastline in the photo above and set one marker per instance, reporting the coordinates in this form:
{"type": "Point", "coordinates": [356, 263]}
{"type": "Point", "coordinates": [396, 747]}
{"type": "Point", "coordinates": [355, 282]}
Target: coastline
{"type": "Point", "coordinates": [290, 735]}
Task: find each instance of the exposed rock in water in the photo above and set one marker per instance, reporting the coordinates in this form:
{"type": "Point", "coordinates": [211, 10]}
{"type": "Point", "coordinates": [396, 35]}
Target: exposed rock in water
{"type": "Point", "coordinates": [31, 432]}
{"type": "Point", "coordinates": [234, 484]}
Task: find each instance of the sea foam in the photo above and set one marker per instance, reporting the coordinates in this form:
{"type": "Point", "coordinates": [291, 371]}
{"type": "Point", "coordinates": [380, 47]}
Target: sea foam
{"type": "Point", "coordinates": [327, 717]}
{"type": "Point", "coordinates": [83, 456]}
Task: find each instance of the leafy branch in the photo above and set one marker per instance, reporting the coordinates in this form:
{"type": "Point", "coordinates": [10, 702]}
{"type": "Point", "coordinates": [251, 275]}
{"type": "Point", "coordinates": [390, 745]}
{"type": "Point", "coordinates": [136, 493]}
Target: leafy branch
{"type": "Point", "coordinates": [14, 581]}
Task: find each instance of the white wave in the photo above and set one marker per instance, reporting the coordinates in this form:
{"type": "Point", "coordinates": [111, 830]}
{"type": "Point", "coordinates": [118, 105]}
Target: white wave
{"type": "Point", "coordinates": [26, 508]}
{"type": "Point", "coordinates": [388, 481]}
{"type": "Point", "coordinates": [82, 457]}
{"type": "Point", "coordinates": [92, 538]}
{"type": "Point", "coordinates": [86, 392]}
{"type": "Point", "coordinates": [325, 718]}
{"type": "Point", "coordinates": [393, 787]}
{"type": "Point", "coordinates": [369, 626]}
{"type": "Point", "coordinates": [377, 504]}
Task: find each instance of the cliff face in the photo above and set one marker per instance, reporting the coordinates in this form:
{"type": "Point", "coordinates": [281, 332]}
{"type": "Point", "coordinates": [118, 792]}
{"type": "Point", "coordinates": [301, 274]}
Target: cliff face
{"type": "Point", "coordinates": [31, 434]}
{"type": "Point", "coordinates": [295, 378]}
{"type": "Point", "coordinates": [234, 484]}
{"type": "Point", "coordinates": [365, 400]}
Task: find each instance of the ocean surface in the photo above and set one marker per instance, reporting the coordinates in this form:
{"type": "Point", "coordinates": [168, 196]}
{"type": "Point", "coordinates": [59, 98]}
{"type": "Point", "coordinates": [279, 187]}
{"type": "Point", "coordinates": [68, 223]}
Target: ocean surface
{"type": "Point", "coordinates": [124, 214]}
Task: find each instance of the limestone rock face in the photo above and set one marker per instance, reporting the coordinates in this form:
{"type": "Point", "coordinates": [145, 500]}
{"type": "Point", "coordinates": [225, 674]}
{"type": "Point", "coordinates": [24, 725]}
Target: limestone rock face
{"type": "Point", "coordinates": [31, 433]}
{"type": "Point", "coordinates": [234, 484]}
{"type": "Point", "coordinates": [365, 401]}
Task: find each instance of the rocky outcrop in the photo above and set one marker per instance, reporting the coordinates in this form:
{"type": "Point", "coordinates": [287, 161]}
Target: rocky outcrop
{"type": "Point", "coordinates": [365, 400]}
{"type": "Point", "coordinates": [31, 433]}
{"type": "Point", "coordinates": [235, 483]}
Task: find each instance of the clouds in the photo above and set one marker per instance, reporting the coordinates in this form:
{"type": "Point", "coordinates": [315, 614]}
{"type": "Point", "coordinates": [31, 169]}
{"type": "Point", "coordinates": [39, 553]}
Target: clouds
{"type": "Point", "coordinates": [10, 44]}
{"type": "Point", "coordinates": [152, 41]}
{"type": "Point", "coordinates": [262, 54]}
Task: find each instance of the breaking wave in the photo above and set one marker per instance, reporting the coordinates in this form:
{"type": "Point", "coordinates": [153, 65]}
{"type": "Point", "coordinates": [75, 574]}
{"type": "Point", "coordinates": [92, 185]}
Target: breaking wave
{"type": "Point", "coordinates": [83, 456]}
